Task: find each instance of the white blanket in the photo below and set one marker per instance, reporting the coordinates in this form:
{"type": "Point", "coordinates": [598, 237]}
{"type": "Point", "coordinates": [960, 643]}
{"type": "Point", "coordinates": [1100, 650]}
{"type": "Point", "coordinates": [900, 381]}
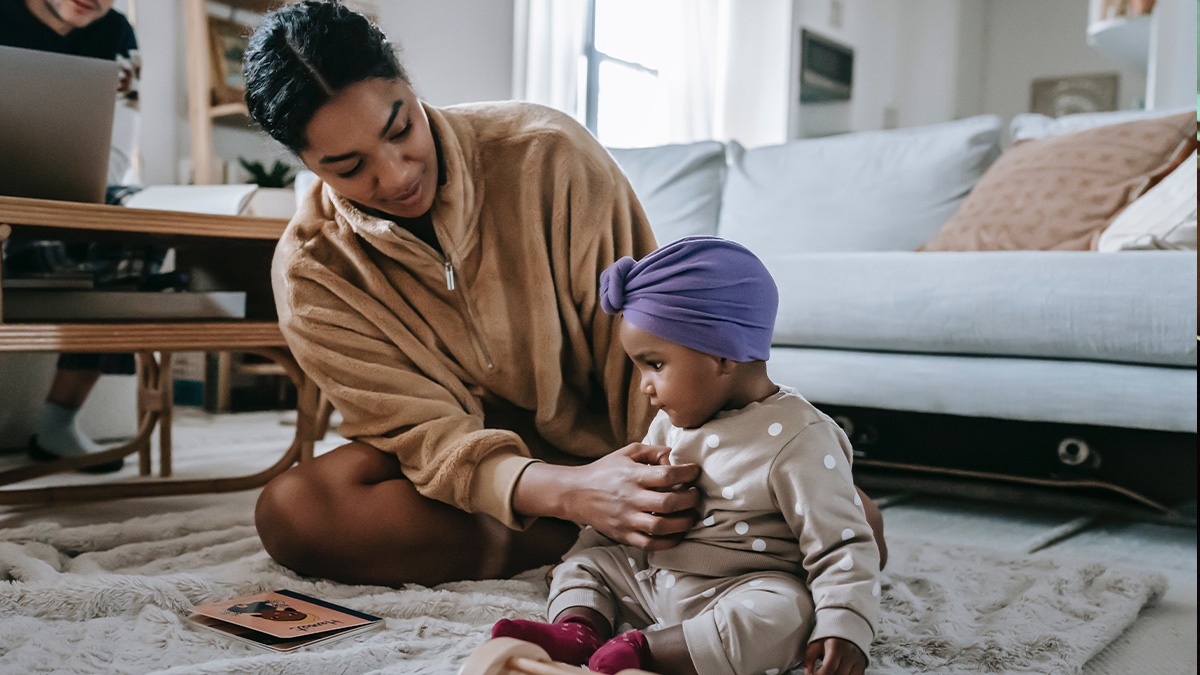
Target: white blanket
{"type": "Point", "coordinates": [114, 597]}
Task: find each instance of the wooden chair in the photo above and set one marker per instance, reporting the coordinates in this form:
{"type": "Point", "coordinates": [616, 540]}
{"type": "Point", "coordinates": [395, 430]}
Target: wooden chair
{"type": "Point", "coordinates": [154, 344]}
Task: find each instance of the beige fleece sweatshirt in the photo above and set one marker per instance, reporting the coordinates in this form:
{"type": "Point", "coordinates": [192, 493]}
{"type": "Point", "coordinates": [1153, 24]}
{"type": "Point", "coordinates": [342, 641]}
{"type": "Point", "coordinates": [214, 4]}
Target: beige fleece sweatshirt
{"type": "Point", "coordinates": [412, 346]}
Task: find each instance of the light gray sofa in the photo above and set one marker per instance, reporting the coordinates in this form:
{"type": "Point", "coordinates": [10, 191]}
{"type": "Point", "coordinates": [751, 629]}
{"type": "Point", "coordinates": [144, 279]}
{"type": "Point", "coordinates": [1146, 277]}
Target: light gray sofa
{"type": "Point", "coordinates": [1079, 338]}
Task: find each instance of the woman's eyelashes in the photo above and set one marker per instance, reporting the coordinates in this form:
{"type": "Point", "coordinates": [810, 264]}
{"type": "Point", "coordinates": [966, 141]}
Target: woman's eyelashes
{"type": "Point", "coordinates": [399, 135]}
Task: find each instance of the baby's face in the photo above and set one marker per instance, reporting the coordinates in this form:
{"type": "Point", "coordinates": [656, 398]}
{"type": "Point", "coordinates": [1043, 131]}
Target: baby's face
{"type": "Point", "coordinates": [681, 381]}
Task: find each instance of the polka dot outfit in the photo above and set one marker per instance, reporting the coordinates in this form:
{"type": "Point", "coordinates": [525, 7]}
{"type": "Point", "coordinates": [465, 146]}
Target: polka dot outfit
{"type": "Point", "coordinates": [778, 507]}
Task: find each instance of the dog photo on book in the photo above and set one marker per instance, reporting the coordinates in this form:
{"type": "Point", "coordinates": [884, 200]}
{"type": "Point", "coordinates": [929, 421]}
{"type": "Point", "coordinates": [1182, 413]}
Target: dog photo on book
{"type": "Point", "coordinates": [282, 620]}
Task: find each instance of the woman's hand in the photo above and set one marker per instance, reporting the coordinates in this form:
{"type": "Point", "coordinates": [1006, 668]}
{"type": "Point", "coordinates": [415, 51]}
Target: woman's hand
{"type": "Point", "coordinates": [632, 495]}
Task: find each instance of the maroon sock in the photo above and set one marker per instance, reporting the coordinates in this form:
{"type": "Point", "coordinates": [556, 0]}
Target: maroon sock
{"type": "Point", "coordinates": [627, 650]}
{"type": "Point", "coordinates": [571, 640]}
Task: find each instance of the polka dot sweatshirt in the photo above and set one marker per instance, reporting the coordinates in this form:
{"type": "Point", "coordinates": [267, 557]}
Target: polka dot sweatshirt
{"type": "Point", "coordinates": [777, 494]}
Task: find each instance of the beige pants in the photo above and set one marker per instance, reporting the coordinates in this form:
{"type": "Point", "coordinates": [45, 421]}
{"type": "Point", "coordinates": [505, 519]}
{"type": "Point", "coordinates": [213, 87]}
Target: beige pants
{"type": "Point", "coordinates": [755, 623]}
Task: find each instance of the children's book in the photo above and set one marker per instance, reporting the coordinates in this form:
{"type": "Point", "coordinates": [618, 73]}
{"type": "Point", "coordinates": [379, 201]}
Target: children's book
{"type": "Point", "coordinates": [282, 620]}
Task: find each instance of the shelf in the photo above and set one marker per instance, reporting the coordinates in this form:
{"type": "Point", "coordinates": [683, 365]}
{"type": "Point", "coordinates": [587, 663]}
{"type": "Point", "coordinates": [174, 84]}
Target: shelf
{"type": "Point", "coordinates": [228, 110]}
{"type": "Point", "coordinates": [258, 6]}
{"type": "Point", "coordinates": [1123, 39]}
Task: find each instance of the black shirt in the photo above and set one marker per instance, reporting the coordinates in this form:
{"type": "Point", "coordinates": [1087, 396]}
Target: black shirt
{"type": "Point", "coordinates": [108, 37]}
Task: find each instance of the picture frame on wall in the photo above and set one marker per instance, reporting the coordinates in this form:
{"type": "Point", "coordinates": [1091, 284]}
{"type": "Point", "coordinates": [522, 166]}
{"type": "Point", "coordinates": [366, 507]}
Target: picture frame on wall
{"type": "Point", "coordinates": [1058, 96]}
{"type": "Point", "coordinates": [228, 41]}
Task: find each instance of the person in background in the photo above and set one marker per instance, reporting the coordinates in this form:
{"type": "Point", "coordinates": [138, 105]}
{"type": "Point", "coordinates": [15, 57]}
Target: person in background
{"type": "Point", "coordinates": [94, 29]}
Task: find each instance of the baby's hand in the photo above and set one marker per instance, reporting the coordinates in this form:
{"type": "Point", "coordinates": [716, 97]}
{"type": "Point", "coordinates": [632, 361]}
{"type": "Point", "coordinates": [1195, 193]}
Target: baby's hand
{"type": "Point", "coordinates": [837, 657]}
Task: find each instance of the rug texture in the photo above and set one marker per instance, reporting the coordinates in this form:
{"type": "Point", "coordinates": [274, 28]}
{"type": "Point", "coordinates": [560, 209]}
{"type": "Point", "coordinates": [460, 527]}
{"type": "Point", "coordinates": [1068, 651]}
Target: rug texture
{"type": "Point", "coordinates": [114, 597]}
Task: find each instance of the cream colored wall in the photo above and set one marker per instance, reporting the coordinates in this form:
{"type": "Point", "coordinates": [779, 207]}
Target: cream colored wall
{"type": "Point", "coordinates": [1030, 39]}
{"type": "Point", "coordinates": [456, 51]}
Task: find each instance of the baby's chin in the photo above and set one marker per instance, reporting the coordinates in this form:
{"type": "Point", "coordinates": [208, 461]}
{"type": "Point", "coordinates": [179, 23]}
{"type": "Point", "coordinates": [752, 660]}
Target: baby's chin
{"type": "Point", "coordinates": [682, 422]}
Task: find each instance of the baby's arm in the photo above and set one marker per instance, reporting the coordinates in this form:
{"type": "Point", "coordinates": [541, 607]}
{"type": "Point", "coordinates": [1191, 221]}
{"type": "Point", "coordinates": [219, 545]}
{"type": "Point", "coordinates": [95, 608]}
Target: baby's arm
{"type": "Point", "coordinates": [810, 481]}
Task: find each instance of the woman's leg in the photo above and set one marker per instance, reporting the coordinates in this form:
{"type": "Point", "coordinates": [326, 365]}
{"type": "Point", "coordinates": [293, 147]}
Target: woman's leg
{"type": "Point", "coordinates": [351, 516]}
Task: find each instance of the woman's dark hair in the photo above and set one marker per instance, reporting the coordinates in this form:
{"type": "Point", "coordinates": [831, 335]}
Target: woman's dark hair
{"type": "Point", "coordinates": [302, 55]}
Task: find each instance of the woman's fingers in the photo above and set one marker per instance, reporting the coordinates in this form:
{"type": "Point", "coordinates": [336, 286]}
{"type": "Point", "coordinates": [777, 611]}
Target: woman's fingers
{"type": "Point", "coordinates": [656, 471]}
{"type": "Point", "coordinates": [631, 498]}
{"type": "Point", "coordinates": [666, 477]}
{"type": "Point", "coordinates": [674, 501]}
{"type": "Point", "coordinates": [647, 454]}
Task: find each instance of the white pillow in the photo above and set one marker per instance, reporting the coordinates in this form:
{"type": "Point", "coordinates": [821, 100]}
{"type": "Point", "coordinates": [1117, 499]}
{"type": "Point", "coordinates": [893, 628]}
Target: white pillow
{"type": "Point", "coordinates": [1163, 218]}
{"type": "Point", "coordinates": [679, 186]}
{"type": "Point", "coordinates": [1028, 126]}
{"type": "Point", "coordinates": [864, 191]}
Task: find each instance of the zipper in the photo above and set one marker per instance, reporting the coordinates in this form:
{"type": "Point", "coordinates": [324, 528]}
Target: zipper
{"type": "Point", "coordinates": [453, 285]}
{"type": "Point", "coordinates": [472, 323]}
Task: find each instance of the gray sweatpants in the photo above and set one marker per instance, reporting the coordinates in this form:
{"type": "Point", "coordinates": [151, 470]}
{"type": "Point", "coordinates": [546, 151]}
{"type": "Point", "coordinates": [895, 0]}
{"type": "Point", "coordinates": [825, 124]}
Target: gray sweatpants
{"type": "Point", "coordinates": [755, 623]}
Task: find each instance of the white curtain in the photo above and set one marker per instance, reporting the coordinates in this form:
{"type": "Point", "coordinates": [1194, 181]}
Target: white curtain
{"type": "Point", "coordinates": [547, 48]}
{"type": "Point", "coordinates": [548, 51]}
{"type": "Point", "coordinates": [689, 70]}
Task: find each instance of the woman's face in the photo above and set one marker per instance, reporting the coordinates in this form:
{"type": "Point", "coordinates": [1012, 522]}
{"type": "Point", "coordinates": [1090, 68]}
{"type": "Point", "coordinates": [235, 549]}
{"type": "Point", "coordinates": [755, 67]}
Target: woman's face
{"type": "Point", "coordinates": [372, 144]}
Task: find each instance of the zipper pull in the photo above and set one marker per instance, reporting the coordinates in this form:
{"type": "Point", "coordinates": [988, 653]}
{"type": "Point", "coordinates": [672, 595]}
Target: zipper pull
{"type": "Point", "coordinates": [449, 276]}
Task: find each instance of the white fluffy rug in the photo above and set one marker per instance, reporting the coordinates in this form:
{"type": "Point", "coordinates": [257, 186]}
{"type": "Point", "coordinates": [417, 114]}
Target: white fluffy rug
{"type": "Point", "coordinates": [113, 597]}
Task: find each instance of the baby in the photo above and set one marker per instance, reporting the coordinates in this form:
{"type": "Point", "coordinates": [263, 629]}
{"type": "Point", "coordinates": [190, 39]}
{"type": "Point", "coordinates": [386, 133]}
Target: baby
{"type": "Point", "coordinates": [782, 567]}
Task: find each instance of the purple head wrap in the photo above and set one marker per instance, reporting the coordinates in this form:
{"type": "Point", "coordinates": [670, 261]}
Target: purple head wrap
{"type": "Point", "coordinates": [706, 293]}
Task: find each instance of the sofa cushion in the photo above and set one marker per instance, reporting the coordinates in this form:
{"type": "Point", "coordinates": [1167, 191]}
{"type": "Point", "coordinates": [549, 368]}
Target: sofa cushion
{"type": "Point", "coordinates": [1136, 307]}
{"type": "Point", "coordinates": [679, 186]}
{"type": "Point", "coordinates": [1034, 390]}
{"type": "Point", "coordinates": [866, 191]}
{"type": "Point", "coordinates": [1163, 218]}
{"type": "Point", "coordinates": [1060, 192]}
{"type": "Point", "coordinates": [1027, 126]}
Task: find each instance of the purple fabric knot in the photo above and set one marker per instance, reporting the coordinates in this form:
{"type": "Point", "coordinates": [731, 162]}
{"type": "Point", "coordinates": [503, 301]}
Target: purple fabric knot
{"type": "Point", "coordinates": [612, 285]}
{"type": "Point", "coordinates": [706, 293]}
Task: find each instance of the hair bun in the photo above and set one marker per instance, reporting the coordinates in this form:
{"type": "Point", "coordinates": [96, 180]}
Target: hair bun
{"type": "Point", "coordinates": [612, 285]}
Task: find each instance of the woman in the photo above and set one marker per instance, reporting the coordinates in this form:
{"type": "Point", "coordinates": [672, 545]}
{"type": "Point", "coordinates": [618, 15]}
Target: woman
{"type": "Point", "coordinates": [440, 283]}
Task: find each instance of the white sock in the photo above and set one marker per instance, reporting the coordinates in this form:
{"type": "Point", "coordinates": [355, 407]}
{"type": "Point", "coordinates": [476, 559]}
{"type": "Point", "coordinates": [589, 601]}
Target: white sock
{"type": "Point", "coordinates": [57, 432]}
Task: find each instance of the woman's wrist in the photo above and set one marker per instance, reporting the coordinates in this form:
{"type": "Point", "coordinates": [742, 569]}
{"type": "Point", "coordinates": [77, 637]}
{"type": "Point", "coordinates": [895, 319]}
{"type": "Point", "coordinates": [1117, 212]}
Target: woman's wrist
{"type": "Point", "coordinates": [542, 491]}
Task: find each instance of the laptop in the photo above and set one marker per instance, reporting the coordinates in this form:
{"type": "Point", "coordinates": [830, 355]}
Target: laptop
{"type": "Point", "coordinates": [56, 118]}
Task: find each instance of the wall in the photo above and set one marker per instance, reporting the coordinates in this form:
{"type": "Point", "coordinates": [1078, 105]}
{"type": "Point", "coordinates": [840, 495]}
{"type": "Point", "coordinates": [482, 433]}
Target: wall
{"type": "Point", "coordinates": [915, 62]}
{"type": "Point", "coordinates": [929, 62]}
{"type": "Point", "coordinates": [1172, 49]}
{"type": "Point", "coordinates": [872, 29]}
{"type": "Point", "coordinates": [1030, 39]}
{"type": "Point", "coordinates": [753, 84]}
{"type": "Point", "coordinates": [455, 50]}
{"type": "Point", "coordinates": [926, 61]}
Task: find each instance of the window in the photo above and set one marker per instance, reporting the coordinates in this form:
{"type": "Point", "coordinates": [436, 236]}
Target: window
{"type": "Point", "coordinates": [622, 97]}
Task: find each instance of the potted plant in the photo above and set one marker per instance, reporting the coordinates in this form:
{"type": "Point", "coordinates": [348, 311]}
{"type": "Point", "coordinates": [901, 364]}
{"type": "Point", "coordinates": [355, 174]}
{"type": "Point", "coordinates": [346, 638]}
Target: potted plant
{"type": "Point", "coordinates": [275, 197]}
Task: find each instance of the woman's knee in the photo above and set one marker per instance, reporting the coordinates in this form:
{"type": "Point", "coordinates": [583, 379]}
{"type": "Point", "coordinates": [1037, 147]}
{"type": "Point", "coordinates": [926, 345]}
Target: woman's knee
{"type": "Point", "coordinates": [288, 517]}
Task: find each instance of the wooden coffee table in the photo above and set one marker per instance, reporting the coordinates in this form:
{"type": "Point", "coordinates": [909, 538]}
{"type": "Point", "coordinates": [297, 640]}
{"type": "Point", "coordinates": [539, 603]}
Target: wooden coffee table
{"type": "Point", "coordinates": [153, 342]}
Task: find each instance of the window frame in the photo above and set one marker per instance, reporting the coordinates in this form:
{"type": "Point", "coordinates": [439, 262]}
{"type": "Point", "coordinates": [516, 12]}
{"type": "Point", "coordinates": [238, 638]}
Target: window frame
{"type": "Point", "coordinates": [593, 58]}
